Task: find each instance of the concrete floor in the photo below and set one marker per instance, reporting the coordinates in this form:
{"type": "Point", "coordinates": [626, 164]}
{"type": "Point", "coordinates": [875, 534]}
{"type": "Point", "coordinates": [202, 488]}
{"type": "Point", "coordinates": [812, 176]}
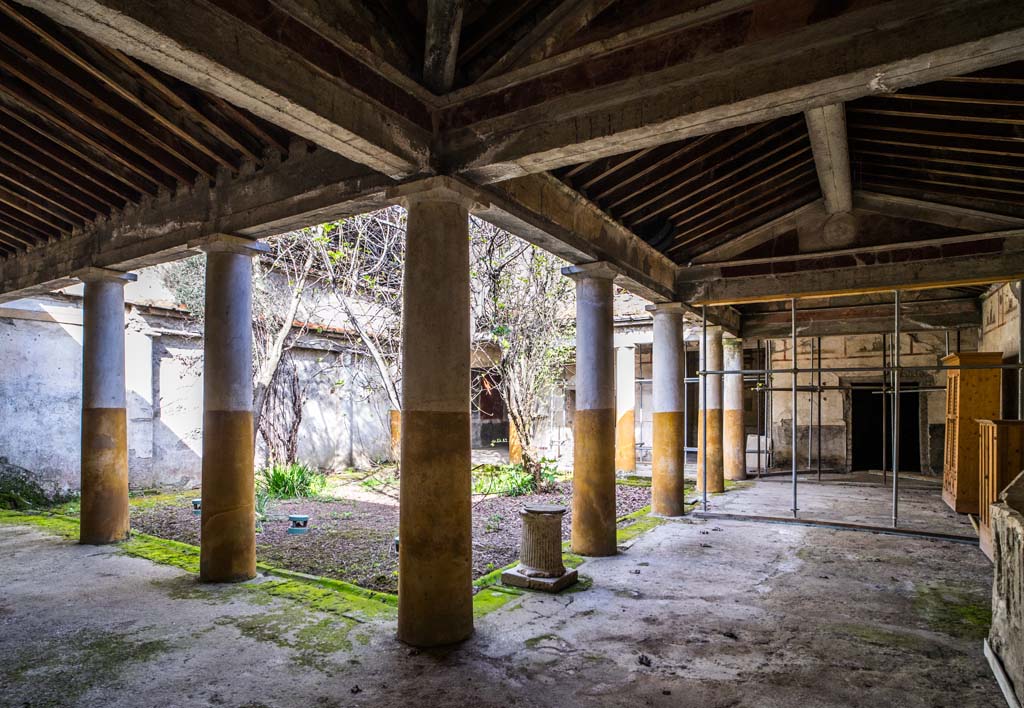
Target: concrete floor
{"type": "Point", "coordinates": [694, 613]}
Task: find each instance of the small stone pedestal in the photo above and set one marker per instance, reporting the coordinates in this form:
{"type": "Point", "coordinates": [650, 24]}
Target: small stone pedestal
{"type": "Point", "coordinates": [540, 554]}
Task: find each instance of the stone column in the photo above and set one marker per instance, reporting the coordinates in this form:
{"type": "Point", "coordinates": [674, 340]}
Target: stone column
{"type": "Point", "coordinates": [625, 409]}
{"type": "Point", "coordinates": [711, 360]}
{"type": "Point", "coordinates": [227, 547]}
{"type": "Point", "coordinates": [593, 497]}
{"type": "Point", "coordinates": [435, 599]}
{"type": "Point", "coordinates": [669, 459]}
{"type": "Point", "coordinates": [734, 447]}
{"type": "Point", "coordinates": [104, 503]}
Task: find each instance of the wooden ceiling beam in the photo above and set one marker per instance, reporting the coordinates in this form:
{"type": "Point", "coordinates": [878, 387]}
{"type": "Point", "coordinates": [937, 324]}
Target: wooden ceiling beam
{"type": "Point", "coordinates": [55, 185]}
{"type": "Point", "coordinates": [59, 201]}
{"type": "Point", "coordinates": [98, 145]}
{"type": "Point", "coordinates": [441, 49]}
{"type": "Point", "coordinates": [56, 160]}
{"type": "Point", "coordinates": [214, 50]}
{"type": "Point", "coordinates": [826, 126]}
{"type": "Point", "coordinates": [119, 87]}
{"type": "Point", "coordinates": [116, 131]}
{"type": "Point", "coordinates": [38, 211]}
{"type": "Point", "coordinates": [308, 188]}
{"type": "Point", "coordinates": [564, 21]}
{"type": "Point", "coordinates": [773, 155]}
{"type": "Point", "coordinates": [934, 213]}
{"type": "Point", "coordinates": [224, 133]}
{"type": "Point", "coordinates": [762, 179]}
{"type": "Point", "coordinates": [730, 244]}
{"type": "Point", "coordinates": [879, 48]}
{"type": "Point", "coordinates": [800, 182]}
{"type": "Point", "coordinates": [40, 230]}
{"type": "Point", "coordinates": [984, 265]}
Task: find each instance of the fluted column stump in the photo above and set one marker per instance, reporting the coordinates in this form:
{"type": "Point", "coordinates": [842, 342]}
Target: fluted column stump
{"type": "Point", "coordinates": [540, 551]}
{"type": "Point", "coordinates": [227, 541]}
{"type": "Point", "coordinates": [669, 454]}
{"type": "Point", "coordinates": [593, 477]}
{"type": "Point", "coordinates": [104, 503]}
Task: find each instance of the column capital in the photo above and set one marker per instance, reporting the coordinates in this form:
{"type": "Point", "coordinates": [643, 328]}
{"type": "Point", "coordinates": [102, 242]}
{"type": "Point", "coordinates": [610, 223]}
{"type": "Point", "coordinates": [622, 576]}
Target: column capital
{"type": "Point", "coordinates": [599, 270]}
{"type": "Point", "coordinates": [437, 189]}
{"type": "Point", "coordinates": [668, 308]}
{"type": "Point", "coordinates": [229, 243]}
{"type": "Point", "coordinates": [93, 274]}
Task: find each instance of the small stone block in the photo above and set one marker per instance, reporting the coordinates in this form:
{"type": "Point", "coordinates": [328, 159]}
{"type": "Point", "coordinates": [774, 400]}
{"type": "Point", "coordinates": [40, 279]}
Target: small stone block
{"type": "Point", "coordinates": [516, 579]}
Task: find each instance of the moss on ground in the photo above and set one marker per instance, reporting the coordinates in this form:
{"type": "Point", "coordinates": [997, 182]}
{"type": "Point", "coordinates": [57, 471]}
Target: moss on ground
{"type": "Point", "coordinates": [312, 639]}
{"type": "Point", "coordinates": [58, 524]}
{"type": "Point", "coordinates": [632, 480]}
{"type": "Point", "coordinates": [162, 551]}
{"type": "Point", "coordinates": [150, 499]}
{"type": "Point", "coordinates": [954, 611]}
{"type": "Point", "coordinates": [59, 675]}
{"type": "Point", "coordinates": [886, 638]}
{"type": "Point", "coordinates": [631, 526]}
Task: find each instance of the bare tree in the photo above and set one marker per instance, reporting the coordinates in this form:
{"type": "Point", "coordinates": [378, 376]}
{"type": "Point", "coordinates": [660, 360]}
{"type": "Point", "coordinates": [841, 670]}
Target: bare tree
{"type": "Point", "coordinates": [523, 303]}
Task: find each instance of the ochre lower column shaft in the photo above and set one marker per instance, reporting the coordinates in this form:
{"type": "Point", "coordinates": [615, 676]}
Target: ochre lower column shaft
{"type": "Point", "coordinates": [227, 553]}
{"type": "Point", "coordinates": [668, 495]}
{"type": "Point", "coordinates": [625, 442]}
{"type": "Point", "coordinates": [436, 549]}
{"type": "Point", "coordinates": [593, 498]}
{"type": "Point", "coordinates": [104, 503]}
{"type": "Point", "coordinates": [733, 444]}
{"type": "Point", "coordinates": [716, 476]}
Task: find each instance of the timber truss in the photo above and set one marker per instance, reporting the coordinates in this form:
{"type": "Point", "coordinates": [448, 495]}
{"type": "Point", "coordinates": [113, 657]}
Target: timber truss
{"type": "Point", "coordinates": [715, 152]}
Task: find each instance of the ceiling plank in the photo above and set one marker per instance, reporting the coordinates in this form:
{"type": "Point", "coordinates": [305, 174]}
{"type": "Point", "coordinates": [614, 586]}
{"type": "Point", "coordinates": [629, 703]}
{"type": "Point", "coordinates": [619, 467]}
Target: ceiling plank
{"type": "Point", "coordinates": [568, 18]}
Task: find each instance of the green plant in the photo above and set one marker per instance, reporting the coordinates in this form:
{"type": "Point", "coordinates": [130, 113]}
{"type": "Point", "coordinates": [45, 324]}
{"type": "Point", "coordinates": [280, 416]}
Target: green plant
{"type": "Point", "coordinates": [262, 499]}
{"type": "Point", "coordinates": [494, 523]}
{"type": "Point", "coordinates": [291, 480]}
{"type": "Point", "coordinates": [506, 480]}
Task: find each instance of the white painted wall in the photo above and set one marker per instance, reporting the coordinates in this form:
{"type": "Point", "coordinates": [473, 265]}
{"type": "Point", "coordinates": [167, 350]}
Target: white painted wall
{"type": "Point", "coordinates": [345, 416]}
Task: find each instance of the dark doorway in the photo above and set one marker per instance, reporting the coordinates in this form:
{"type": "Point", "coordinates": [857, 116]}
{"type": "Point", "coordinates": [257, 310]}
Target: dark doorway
{"type": "Point", "coordinates": [867, 428]}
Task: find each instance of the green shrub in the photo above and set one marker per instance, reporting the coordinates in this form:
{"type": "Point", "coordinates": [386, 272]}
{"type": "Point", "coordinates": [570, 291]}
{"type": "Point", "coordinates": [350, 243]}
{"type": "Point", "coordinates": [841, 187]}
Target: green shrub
{"type": "Point", "coordinates": [506, 480]}
{"type": "Point", "coordinates": [289, 481]}
{"type": "Point", "coordinates": [18, 491]}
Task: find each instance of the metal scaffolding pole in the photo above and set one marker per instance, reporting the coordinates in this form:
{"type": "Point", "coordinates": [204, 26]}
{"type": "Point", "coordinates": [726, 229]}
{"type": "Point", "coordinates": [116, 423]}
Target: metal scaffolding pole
{"type": "Point", "coordinates": [704, 404]}
{"type": "Point", "coordinates": [769, 403]}
{"type": "Point", "coordinates": [896, 414]}
{"type": "Point", "coordinates": [810, 413]}
{"type": "Point", "coordinates": [947, 342]}
{"type": "Point", "coordinates": [1020, 349]}
{"type": "Point", "coordinates": [793, 384]}
{"type": "Point", "coordinates": [686, 404]}
{"type": "Point", "coordinates": [757, 406]}
{"type": "Point", "coordinates": [819, 409]}
{"type": "Point", "coordinates": [885, 406]}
